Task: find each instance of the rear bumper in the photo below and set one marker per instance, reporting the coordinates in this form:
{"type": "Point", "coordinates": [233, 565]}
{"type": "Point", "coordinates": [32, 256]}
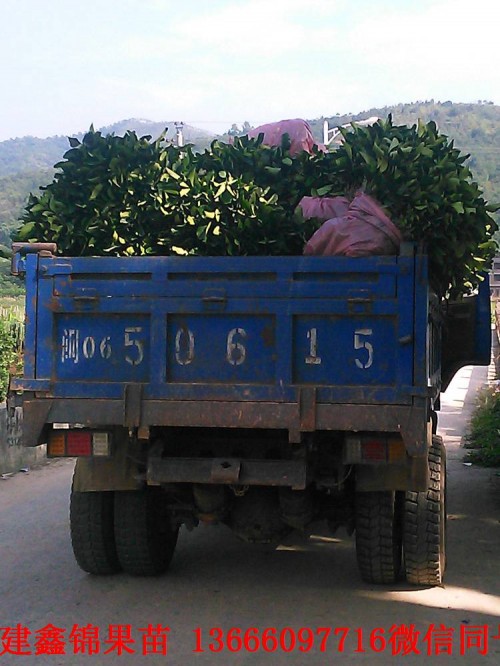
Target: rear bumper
{"type": "Point", "coordinates": [412, 422]}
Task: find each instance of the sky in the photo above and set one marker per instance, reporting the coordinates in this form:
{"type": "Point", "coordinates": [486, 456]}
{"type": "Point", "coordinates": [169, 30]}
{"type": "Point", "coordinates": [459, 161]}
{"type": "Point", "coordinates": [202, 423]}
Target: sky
{"type": "Point", "coordinates": [67, 64]}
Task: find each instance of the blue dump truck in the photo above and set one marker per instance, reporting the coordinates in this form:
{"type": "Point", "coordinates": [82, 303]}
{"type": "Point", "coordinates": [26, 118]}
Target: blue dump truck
{"type": "Point", "coordinates": [266, 393]}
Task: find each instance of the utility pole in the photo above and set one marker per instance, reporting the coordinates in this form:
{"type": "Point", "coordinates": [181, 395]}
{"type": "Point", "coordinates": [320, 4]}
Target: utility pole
{"type": "Point", "coordinates": [330, 135]}
{"type": "Point", "coordinates": [178, 133]}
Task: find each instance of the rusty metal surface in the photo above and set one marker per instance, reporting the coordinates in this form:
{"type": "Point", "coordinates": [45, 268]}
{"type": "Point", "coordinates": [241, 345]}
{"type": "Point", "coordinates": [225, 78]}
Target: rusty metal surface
{"type": "Point", "coordinates": [289, 473]}
{"type": "Point", "coordinates": [411, 422]}
{"type": "Point", "coordinates": [225, 470]}
{"type": "Point", "coordinates": [307, 406]}
{"type": "Point", "coordinates": [132, 407]}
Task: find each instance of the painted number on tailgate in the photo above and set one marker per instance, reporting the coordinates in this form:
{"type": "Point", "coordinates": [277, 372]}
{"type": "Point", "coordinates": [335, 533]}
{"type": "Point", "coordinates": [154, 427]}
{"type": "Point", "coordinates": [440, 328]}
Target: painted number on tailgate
{"type": "Point", "coordinates": [76, 348]}
{"type": "Point", "coordinates": [361, 341]}
{"type": "Point", "coordinates": [235, 349]}
{"type": "Point", "coordinates": [221, 348]}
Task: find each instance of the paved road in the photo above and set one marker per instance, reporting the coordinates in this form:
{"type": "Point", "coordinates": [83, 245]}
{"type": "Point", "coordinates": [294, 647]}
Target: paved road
{"type": "Point", "coordinates": [217, 581]}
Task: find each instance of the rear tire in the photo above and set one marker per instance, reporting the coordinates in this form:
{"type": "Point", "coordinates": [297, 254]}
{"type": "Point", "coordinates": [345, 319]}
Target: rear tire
{"type": "Point", "coordinates": [424, 539]}
{"type": "Point", "coordinates": [92, 534]}
{"type": "Point", "coordinates": [379, 536]}
{"type": "Point", "coordinates": [145, 540]}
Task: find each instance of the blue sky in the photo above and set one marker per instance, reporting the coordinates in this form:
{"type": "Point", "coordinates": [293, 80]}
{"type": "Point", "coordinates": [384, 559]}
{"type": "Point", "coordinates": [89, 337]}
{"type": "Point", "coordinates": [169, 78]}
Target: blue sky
{"type": "Point", "coordinates": [68, 63]}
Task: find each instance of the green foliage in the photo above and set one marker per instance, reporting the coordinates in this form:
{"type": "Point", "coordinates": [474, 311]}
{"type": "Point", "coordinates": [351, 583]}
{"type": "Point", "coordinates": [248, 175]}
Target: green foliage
{"type": "Point", "coordinates": [101, 197]}
{"type": "Point", "coordinates": [10, 286]}
{"type": "Point", "coordinates": [475, 129]}
{"type": "Point", "coordinates": [127, 195]}
{"type": "Point", "coordinates": [11, 339]}
{"type": "Point", "coordinates": [483, 437]}
{"type": "Point", "coordinates": [421, 178]}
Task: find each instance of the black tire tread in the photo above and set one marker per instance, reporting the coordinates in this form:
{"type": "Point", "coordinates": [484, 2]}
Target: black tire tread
{"type": "Point", "coordinates": [92, 535]}
{"type": "Point", "coordinates": [424, 533]}
{"type": "Point", "coordinates": [145, 542]}
{"type": "Point", "coordinates": [378, 537]}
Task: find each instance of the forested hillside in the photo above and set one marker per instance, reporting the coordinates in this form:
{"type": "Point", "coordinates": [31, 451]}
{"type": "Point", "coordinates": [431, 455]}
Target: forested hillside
{"type": "Point", "coordinates": [26, 164]}
{"type": "Point", "coordinates": [13, 192]}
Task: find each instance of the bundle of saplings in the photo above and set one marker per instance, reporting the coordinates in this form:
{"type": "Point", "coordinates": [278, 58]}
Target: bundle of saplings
{"type": "Point", "coordinates": [428, 191]}
{"type": "Point", "coordinates": [129, 196]}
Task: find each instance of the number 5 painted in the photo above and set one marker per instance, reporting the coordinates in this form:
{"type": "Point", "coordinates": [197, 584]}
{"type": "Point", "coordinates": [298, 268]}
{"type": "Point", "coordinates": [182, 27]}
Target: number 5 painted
{"type": "Point", "coordinates": [360, 342]}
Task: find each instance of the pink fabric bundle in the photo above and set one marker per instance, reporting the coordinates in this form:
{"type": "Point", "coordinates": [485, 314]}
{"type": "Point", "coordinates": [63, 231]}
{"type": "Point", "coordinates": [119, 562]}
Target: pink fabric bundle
{"type": "Point", "coordinates": [360, 231]}
{"type": "Point", "coordinates": [298, 130]}
{"type": "Point", "coordinates": [323, 208]}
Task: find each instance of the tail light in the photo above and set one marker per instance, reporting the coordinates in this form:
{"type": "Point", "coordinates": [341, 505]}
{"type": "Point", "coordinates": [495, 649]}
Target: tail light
{"type": "Point", "coordinates": [79, 443]}
{"type": "Point", "coordinates": [373, 449]}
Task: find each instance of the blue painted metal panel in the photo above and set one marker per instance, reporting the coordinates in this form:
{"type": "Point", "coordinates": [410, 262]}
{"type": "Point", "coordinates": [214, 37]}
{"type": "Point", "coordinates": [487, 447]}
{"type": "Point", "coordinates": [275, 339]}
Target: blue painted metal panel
{"type": "Point", "coordinates": [346, 351]}
{"type": "Point", "coordinates": [221, 349]}
{"type": "Point", "coordinates": [483, 322]}
{"type": "Point", "coordinates": [31, 310]}
{"type": "Point", "coordinates": [220, 328]}
{"type": "Point", "coordinates": [102, 347]}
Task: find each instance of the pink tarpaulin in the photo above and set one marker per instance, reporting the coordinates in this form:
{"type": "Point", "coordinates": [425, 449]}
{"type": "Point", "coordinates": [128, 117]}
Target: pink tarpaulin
{"type": "Point", "coordinates": [362, 231]}
{"type": "Point", "coordinates": [324, 208]}
{"type": "Point", "coordinates": [298, 130]}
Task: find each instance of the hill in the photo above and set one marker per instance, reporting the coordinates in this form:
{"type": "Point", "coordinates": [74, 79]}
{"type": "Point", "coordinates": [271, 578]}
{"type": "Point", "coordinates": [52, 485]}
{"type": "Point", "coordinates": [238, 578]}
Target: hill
{"type": "Point", "coordinates": [29, 153]}
{"type": "Point", "coordinates": [200, 138]}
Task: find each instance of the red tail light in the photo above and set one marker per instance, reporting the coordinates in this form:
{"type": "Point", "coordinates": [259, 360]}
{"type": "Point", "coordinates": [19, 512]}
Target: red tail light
{"type": "Point", "coordinates": [78, 443]}
{"type": "Point", "coordinates": [374, 450]}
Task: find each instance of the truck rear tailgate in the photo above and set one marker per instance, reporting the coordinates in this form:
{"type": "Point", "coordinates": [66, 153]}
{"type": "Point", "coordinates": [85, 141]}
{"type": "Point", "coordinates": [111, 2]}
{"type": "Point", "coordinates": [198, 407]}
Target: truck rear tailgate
{"type": "Point", "coordinates": [189, 331]}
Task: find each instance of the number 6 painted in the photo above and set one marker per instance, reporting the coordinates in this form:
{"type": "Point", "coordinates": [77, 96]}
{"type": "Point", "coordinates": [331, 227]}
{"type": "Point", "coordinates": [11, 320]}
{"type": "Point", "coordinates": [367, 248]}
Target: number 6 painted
{"type": "Point", "coordinates": [235, 351]}
{"type": "Point", "coordinates": [361, 343]}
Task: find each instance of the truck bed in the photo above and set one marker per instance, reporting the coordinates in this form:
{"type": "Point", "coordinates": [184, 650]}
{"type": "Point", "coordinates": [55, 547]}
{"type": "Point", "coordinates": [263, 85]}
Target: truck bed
{"type": "Point", "coordinates": [298, 343]}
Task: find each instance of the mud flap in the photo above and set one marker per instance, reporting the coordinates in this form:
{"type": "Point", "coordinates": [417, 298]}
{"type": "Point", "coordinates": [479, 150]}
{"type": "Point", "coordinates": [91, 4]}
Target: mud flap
{"type": "Point", "coordinates": [412, 475]}
{"type": "Point", "coordinates": [117, 473]}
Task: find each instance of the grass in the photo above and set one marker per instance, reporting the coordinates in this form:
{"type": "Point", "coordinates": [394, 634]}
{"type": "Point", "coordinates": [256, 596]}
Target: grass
{"type": "Point", "coordinates": [11, 342]}
{"type": "Point", "coordinates": [12, 307]}
{"type": "Point", "coordinates": [483, 437]}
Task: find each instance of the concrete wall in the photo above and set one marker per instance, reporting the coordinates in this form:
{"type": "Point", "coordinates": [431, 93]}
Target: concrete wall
{"type": "Point", "coordinates": [13, 456]}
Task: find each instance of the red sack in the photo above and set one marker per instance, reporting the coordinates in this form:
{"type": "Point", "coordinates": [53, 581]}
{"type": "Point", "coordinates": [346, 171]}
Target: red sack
{"type": "Point", "coordinates": [363, 231]}
{"type": "Point", "coordinates": [298, 130]}
{"type": "Point", "coordinates": [323, 208]}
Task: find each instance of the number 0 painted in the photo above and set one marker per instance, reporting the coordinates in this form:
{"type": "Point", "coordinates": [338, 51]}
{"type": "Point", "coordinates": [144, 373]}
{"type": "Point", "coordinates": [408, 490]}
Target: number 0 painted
{"type": "Point", "coordinates": [184, 346]}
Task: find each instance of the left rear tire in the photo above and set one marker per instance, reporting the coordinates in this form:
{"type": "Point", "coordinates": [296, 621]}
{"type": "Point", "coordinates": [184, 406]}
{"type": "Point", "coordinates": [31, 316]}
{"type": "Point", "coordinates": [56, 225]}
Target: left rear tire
{"type": "Point", "coordinates": [92, 531]}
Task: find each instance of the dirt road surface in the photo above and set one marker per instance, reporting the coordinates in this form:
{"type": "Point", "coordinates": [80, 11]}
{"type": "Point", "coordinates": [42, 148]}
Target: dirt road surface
{"type": "Point", "coordinates": [218, 582]}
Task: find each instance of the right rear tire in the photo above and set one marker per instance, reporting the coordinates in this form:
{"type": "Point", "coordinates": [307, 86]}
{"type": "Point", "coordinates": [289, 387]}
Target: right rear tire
{"type": "Point", "coordinates": [425, 523]}
{"type": "Point", "coordinates": [379, 536]}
